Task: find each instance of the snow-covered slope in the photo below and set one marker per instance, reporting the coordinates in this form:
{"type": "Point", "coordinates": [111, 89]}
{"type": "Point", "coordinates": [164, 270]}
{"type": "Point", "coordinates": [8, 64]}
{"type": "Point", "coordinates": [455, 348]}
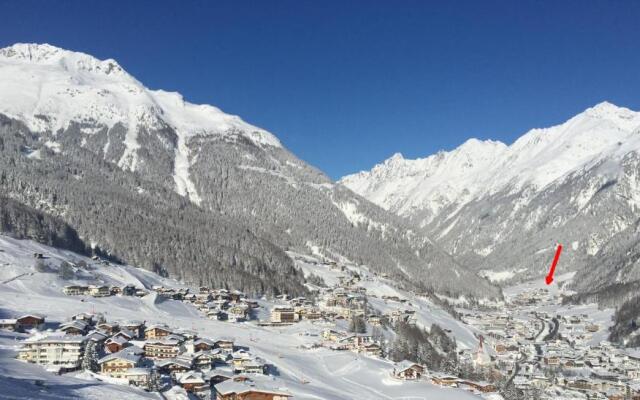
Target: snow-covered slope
{"type": "Point", "coordinates": [501, 209]}
{"type": "Point", "coordinates": [48, 87]}
{"type": "Point", "coordinates": [478, 168]}
{"type": "Point", "coordinates": [306, 373]}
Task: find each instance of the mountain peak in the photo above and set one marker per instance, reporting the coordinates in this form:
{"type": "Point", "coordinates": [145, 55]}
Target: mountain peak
{"type": "Point", "coordinates": [606, 106]}
{"type": "Point", "coordinates": [474, 144]}
{"type": "Point", "coordinates": [41, 79]}
{"type": "Point", "coordinates": [610, 111]}
{"type": "Point", "coordinates": [31, 51]}
{"type": "Point", "coordinates": [396, 157]}
{"type": "Point", "coordinates": [37, 53]}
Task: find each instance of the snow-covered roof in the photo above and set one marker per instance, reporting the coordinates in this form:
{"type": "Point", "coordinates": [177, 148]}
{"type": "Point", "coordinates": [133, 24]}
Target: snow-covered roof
{"type": "Point", "coordinates": [117, 339]}
{"type": "Point", "coordinates": [126, 332]}
{"type": "Point", "coordinates": [158, 326]}
{"type": "Point", "coordinates": [190, 377]}
{"type": "Point", "coordinates": [78, 324]}
{"type": "Point", "coordinates": [163, 341]}
{"type": "Point", "coordinates": [56, 338]}
{"type": "Point", "coordinates": [96, 335]}
{"type": "Point", "coordinates": [121, 355]}
{"type": "Point", "coordinates": [38, 316]}
{"type": "Point", "coordinates": [230, 386]}
{"type": "Point", "coordinates": [137, 371]}
{"type": "Point", "coordinates": [133, 350]}
{"type": "Point", "coordinates": [178, 361]}
{"type": "Point", "coordinates": [406, 364]}
{"type": "Point", "coordinates": [204, 341]}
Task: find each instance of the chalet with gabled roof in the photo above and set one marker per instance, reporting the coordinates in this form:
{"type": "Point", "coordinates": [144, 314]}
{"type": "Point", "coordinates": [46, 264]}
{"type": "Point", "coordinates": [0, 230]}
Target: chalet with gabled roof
{"type": "Point", "coordinates": [109, 328]}
{"type": "Point", "coordinates": [77, 327]}
{"type": "Point", "coordinates": [116, 364]}
{"type": "Point", "coordinates": [174, 365]}
{"type": "Point", "coordinates": [204, 360]}
{"type": "Point", "coordinates": [138, 377]}
{"type": "Point", "coordinates": [231, 390]}
{"type": "Point", "coordinates": [135, 327]}
{"type": "Point", "coordinates": [29, 321]}
{"type": "Point", "coordinates": [160, 349]}
{"type": "Point", "coordinates": [225, 344]}
{"type": "Point", "coordinates": [192, 381]}
{"type": "Point", "coordinates": [408, 370]}
{"type": "Point", "coordinates": [156, 332]}
{"type": "Point", "coordinates": [116, 343]}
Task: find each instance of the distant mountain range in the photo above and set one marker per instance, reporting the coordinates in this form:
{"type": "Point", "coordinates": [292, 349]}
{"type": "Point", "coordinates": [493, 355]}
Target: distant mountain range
{"type": "Point", "coordinates": [184, 189]}
{"type": "Point", "coordinates": [502, 209]}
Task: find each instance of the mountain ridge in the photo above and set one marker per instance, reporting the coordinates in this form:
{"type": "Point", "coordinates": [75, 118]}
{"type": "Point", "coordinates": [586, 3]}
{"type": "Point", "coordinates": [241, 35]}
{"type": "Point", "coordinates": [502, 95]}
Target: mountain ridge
{"type": "Point", "coordinates": [500, 210]}
{"type": "Point", "coordinates": [493, 155]}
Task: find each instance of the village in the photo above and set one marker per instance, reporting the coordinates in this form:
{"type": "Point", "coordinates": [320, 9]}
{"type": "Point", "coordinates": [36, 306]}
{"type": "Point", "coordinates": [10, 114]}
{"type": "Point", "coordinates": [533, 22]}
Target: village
{"type": "Point", "coordinates": [156, 357]}
{"type": "Point", "coordinates": [545, 347]}
{"type": "Point", "coordinates": [523, 341]}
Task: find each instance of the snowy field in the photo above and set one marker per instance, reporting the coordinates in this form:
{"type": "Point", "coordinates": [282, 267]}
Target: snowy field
{"type": "Point", "coordinates": [307, 374]}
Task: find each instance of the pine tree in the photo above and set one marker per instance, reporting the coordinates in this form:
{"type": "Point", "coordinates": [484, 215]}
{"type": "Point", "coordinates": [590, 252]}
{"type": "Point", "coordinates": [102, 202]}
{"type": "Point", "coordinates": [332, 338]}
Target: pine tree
{"type": "Point", "coordinates": [154, 381]}
{"type": "Point", "coordinates": [65, 271]}
{"type": "Point", "coordinates": [357, 324]}
{"type": "Point", "coordinates": [90, 357]}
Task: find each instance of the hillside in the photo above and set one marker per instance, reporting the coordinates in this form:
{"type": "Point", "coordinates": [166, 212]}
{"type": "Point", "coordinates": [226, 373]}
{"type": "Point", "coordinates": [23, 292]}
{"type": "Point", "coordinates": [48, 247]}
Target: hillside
{"type": "Point", "coordinates": [185, 189]}
{"type": "Point", "coordinates": [318, 373]}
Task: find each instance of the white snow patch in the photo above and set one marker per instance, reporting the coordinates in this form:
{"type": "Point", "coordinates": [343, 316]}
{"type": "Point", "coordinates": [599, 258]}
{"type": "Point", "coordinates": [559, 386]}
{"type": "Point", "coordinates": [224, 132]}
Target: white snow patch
{"type": "Point", "coordinates": [54, 146]}
{"type": "Point", "coordinates": [350, 210]}
{"type": "Point", "coordinates": [181, 176]}
{"type": "Point", "coordinates": [499, 276]}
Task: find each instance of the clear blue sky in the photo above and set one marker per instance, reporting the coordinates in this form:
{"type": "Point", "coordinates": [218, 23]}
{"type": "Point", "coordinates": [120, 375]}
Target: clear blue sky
{"type": "Point", "coordinates": [346, 84]}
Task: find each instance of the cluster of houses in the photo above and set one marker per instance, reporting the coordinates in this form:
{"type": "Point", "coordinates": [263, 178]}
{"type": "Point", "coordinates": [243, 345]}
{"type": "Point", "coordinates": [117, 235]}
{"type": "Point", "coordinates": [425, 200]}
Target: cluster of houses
{"type": "Point", "coordinates": [296, 310]}
{"type": "Point", "coordinates": [535, 349]}
{"type": "Point", "coordinates": [149, 356]}
{"type": "Point", "coordinates": [103, 290]}
{"type": "Point", "coordinates": [550, 343]}
{"type": "Point", "coordinates": [555, 353]}
{"type": "Point", "coordinates": [217, 304]}
{"type": "Point", "coordinates": [411, 371]}
{"type": "Point", "coordinates": [355, 342]}
{"type": "Point", "coordinates": [347, 300]}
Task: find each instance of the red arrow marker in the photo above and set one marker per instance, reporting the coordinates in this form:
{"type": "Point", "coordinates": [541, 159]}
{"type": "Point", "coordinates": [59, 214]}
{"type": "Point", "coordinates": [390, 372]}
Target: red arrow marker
{"type": "Point", "coordinates": [549, 277]}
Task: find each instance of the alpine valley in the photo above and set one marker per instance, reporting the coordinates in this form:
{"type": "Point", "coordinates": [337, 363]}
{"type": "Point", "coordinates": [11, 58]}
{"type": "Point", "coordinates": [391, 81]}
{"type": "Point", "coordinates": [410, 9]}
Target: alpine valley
{"type": "Point", "coordinates": [151, 248]}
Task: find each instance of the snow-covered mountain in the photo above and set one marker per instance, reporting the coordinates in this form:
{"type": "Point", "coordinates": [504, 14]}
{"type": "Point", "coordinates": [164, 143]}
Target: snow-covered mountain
{"type": "Point", "coordinates": [48, 88]}
{"type": "Point", "coordinates": [502, 208]}
{"type": "Point", "coordinates": [479, 168]}
{"type": "Point", "coordinates": [186, 189]}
